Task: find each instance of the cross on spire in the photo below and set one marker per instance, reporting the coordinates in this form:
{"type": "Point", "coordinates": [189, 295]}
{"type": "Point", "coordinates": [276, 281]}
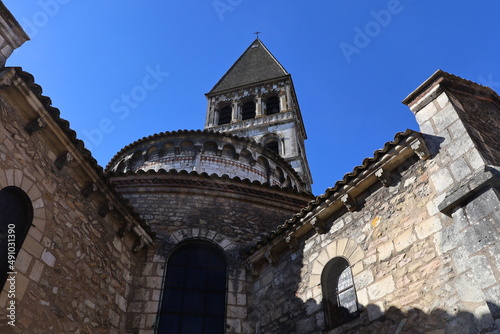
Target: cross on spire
{"type": "Point", "coordinates": [257, 33]}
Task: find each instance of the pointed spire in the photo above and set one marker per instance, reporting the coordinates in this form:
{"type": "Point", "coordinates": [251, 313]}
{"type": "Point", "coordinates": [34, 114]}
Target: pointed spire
{"type": "Point", "coordinates": [255, 65]}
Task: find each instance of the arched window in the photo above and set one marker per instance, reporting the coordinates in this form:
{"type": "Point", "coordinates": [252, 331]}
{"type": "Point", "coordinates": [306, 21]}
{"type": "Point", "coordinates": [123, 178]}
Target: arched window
{"type": "Point", "coordinates": [273, 146]}
{"type": "Point", "coordinates": [16, 215]}
{"type": "Point", "coordinates": [248, 110]}
{"type": "Point", "coordinates": [194, 295]}
{"type": "Point", "coordinates": [339, 295]}
{"type": "Point", "coordinates": [225, 115]}
{"type": "Point", "coordinates": [272, 105]}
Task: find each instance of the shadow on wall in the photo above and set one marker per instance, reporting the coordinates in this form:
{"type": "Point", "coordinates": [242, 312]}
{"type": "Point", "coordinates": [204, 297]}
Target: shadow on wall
{"type": "Point", "coordinates": [276, 308]}
{"type": "Point", "coordinates": [414, 320]}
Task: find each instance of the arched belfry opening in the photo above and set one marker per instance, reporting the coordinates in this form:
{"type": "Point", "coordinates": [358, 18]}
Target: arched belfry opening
{"type": "Point", "coordinates": [248, 110]}
{"type": "Point", "coordinates": [272, 105]}
{"type": "Point", "coordinates": [225, 115]}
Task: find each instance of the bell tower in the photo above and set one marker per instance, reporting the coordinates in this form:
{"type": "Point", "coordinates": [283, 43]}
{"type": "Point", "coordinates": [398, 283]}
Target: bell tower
{"type": "Point", "coordinates": [256, 99]}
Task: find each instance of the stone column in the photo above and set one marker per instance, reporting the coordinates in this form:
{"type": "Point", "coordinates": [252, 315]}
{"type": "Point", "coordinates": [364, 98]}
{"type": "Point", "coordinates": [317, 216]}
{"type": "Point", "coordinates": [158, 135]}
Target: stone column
{"type": "Point", "coordinates": [283, 104]}
{"type": "Point", "coordinates": [259, 111]}
{"type": "Point", "coordinates": [288, 97]}
{"type": "Point", "coordinates": [235, 114]}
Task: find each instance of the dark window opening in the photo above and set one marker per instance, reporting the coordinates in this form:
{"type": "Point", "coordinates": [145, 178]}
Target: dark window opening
{"type": "Point", "coordinates": [225, 115]}
{"type": "Point", "coordinates": [248, 110]}
{"type": "Point", "coordinates": [339, 295]}
{"type": "Point", "coordinates": [272, 105]}
{"type": "Point", "coordinates": [273, 146]}
{"type": "Point", "coordinates": [194, 295]}
{"type": "Point", "coordinates": [16, 215]}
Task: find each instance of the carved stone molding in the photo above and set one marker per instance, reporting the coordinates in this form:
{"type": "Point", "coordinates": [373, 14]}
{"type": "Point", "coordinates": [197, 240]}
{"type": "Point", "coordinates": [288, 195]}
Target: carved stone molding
{"type": "Point", "coordinates": [349, 202]}
{"type": "Point", "coordinates": [384, 177]}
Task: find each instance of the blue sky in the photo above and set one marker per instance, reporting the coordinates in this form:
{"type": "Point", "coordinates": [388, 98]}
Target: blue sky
{"type": "Point", "coordinates": [352, 63]}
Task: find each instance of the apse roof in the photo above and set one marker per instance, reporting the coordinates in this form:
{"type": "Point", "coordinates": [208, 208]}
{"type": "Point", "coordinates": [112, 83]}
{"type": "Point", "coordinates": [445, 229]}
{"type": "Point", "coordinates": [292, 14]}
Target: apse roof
{"type": "Point", "coordinates": [255, 65]}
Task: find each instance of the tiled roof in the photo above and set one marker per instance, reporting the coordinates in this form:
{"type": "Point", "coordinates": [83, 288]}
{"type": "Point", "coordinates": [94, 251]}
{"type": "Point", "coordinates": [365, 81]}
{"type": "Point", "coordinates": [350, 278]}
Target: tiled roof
{"type": "Point", "coordinates": [295, 221]}
{"type": "Point", "coordinates": [194, 133]}
{"type": "Point", "coordinates": [255, 65]}
{"type": "Point", "coordinates": [442, 77]}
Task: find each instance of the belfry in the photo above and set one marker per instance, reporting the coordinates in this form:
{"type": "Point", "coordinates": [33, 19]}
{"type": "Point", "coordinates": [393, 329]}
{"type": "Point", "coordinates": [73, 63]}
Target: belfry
{"type": "Point", "coordinates": [256, 99]}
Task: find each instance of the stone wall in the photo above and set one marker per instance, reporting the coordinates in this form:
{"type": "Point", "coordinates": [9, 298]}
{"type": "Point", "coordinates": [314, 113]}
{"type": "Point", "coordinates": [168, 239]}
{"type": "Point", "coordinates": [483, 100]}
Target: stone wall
{"type": "Point", "coordinates": [391, 248]}
{"type": "Point", "coordinates": [422, 244]}
{"type": "Point", "coordinates": [229, 213]}
{"type": "Point", "coordinates": [74, 273]}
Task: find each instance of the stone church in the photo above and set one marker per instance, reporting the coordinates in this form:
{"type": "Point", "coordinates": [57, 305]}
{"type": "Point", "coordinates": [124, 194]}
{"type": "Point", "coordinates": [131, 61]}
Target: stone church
{"type": "Point", "coordinates": [216, 230]}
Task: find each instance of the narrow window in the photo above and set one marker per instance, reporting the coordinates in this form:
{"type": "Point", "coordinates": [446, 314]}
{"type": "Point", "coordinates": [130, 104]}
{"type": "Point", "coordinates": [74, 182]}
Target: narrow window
{"type": "Point", "coordinates": [16, 215]}
{"type": "Point", "coordinates": [225, 115]}
{"type": "Point", "coordinates": [248, 110]}
{"type": "Point", "coordinates": [273, 146]}
{"type": "Point", "coordinates": [339, 295]}
{"type": "Point", "coordinates": [272, 105]}
{"type": "Point", "coordinates": [194, 295]}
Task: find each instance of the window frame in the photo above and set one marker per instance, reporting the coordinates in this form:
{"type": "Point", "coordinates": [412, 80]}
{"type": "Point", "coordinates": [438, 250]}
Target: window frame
{"type": "Point", "coordinates": [335, 315]}
{"type": "Point", "coordinates": [24, 205]}
{"type": "Point", "coordinates": [277, 102]}
{"type": "Point", "coordinates": [179, 248]}
{"type": "Point", "coordinates": [245, 110]}
{"type": "Point", "coordinates": [227, 111]}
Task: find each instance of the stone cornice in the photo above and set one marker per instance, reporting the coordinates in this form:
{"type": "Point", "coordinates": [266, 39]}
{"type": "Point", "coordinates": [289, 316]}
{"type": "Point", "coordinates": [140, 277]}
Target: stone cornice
{"type": "Point", "coordinates": [173, 181]}
{"type": "Point", "coordinates": [472, 187]}
{"type": "Point", "coordinates": [342, 197]}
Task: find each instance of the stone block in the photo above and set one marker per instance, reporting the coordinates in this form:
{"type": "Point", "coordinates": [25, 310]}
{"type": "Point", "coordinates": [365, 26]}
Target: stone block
{"type": "Point", "coordinates": [36, 271]}
{"type": "Point", "coordinates": [323, 258]}
{"type": "Point", "coordinates": [404, 240]}
{"type": "Point", "coordinates": [363, 279]}
{"type": "Point", "coordinates": [48, 258]}
{"type": "Point", "coordinates": [317, 268]}
{"type": "Point", "coordinates": [476, 237]}
{"type": "Point", "coordinates": [442, 100]}
{"type": "Point", "coordinates": [483, 205]}
{"type": "Point", "coordinates": [357, 268]}
{"type": "Point", "coordinates": [475, 160]}
{"type": "Point", "coordinates": [32, 246]}
{"type": "Point", "coordinates": [151, 307]}
{"type": "Point", "coordinates": [467, 289]}
{"type": "Point", "coordinates": [426, 113]}
{"type": "Point", "coordinates": [113, 318]}
{"type": "Point", "coordinates": [427, 227]}
{"type": "Point", "coordinates": [233, 325]}
{"type": "Point", "coordinates": [444, 118]}
{"type": "Point", "coordinates": [459, 169]}
{"type": "Point", "coordinates": [481, 271]}
{"type": "Point", "coordinates": [356, 256]}
{"type": "Point", "coordinates": [385, 250]}
{"type": "Point", "coordinates": [362, 295]}
{"type": "Point", "coordinates": [459, 147]}
{"type": "Point", "coordinates": [23, 261]}
{"type": "Point", "coordinates": [331, 249]}
{"type": "Point", "coordinates": [441, 179]}
{"type": "Point", "coordinates": [236, 312]}
{"type": "Point", "coordinates": [461, 260]}
{"type": "Point", "coordinates": [426, 127]}
{"type": "Point", "coordinates": [341, 245]}
{"type": "Point", "coordinates": [381, 288]}
{"type": "Point", "coordinates": [21, 285]}
{"type": "Point", "coordinates": [121, 302]}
